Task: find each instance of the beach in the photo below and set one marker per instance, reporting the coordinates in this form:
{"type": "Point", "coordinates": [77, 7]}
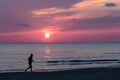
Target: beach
{"type": "Point", "coordinates": [77, 74]}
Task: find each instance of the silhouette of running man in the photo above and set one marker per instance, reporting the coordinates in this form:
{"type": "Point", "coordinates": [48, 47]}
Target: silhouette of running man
{"type": "Point", "coordinates": [30, 60]}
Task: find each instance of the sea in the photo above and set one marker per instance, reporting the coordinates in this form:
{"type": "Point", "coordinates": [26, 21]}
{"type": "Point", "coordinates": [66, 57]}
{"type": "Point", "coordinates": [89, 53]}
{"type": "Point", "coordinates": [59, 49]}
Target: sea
{"type": "Point", "coordinates": [58, 56]}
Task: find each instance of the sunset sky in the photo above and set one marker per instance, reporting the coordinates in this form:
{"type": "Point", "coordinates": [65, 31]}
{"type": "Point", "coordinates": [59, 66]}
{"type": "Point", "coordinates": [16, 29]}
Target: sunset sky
{"type": "Point", "coordinates": [63, 20]}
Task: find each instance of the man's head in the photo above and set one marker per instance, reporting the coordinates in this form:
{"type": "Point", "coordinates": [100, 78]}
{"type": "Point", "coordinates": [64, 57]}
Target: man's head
{"type": "Point", "coordinates": [31, 54]}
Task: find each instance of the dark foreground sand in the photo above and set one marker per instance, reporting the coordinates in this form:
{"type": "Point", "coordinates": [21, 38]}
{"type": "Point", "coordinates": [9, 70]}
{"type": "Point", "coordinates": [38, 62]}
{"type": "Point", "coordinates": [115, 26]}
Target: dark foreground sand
{"type": "Point", "coordinates": [79, 74]}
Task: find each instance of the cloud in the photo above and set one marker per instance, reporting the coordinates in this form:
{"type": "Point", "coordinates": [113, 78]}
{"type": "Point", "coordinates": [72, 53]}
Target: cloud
{"type": "Point", "coordinates": [24, 25]}
{"type": "Point", "coordinates": [110, 5]}
{"type": "Point", "coordinates": [93, 24]}
{"type": "Point", "coordinates": [81, 10]}
{"type": "Point", "coordinates": [49, 11]}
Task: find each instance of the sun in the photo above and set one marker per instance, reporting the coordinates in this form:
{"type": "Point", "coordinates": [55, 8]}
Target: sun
{"type": "Point", "coordinates": [47, 35]}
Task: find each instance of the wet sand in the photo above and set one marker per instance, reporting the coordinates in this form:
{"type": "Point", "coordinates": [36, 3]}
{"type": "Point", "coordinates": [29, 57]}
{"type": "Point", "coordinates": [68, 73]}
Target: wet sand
{"type": "Point", "coordinates": [78, 74]}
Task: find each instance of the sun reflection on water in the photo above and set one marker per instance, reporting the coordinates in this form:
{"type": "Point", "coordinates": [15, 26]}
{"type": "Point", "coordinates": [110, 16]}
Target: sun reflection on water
{"type": "Point", "coordinates": [47, 52]}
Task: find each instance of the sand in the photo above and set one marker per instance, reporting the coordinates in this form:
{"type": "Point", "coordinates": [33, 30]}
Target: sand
{"type": "Point", "coordinates": [78, 74]}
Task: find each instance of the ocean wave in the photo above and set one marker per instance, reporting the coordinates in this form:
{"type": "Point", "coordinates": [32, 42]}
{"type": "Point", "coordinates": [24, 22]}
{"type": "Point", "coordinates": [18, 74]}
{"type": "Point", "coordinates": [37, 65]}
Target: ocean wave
{"type": "Point", "coordinates": [79, 62]}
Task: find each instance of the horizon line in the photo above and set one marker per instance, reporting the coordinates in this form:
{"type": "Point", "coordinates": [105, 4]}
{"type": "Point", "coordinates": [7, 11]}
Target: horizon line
{"type": "Point", "coordinates": [59, 42]}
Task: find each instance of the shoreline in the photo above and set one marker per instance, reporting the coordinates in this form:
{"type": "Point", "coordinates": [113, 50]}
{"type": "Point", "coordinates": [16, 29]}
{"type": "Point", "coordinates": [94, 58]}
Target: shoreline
{"type": "Point", "coordinates": [76, 74]}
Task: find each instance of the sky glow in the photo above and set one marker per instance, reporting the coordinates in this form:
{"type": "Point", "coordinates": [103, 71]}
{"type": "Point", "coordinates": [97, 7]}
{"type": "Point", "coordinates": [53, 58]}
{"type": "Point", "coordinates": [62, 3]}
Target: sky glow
{"type": "Point", "coordinates": [64, 20]}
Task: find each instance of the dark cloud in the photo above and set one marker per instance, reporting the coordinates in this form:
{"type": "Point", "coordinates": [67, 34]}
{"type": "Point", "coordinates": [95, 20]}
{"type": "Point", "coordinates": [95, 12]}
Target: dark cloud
{"type": "Point", "coordinates": [102, 23]}
{"type": "Point", "coordinates": [110, 4]}
{"type": "Point", "coordinates": [24, 25]}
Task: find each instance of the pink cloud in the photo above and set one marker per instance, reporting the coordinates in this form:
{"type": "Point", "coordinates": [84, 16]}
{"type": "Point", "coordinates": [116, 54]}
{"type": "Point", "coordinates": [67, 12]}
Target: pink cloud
{"type": "Point", "coordinates": [80, 10]}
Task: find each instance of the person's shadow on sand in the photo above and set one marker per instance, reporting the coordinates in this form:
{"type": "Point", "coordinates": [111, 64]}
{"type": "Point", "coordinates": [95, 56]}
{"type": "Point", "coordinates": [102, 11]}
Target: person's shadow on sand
{"type": "Point", "coordinates": [30, 60]}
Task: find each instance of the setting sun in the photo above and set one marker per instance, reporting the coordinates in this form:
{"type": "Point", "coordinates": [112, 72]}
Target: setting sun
{"type": "Point", "coordinates": [47, 35]}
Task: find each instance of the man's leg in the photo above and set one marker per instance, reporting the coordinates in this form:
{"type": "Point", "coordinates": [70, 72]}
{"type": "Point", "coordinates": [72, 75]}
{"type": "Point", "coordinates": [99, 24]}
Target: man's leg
{"type": "Point", "coordinates": [27, 69]}
{"type": "Point", "coordinates": [31, 69]}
